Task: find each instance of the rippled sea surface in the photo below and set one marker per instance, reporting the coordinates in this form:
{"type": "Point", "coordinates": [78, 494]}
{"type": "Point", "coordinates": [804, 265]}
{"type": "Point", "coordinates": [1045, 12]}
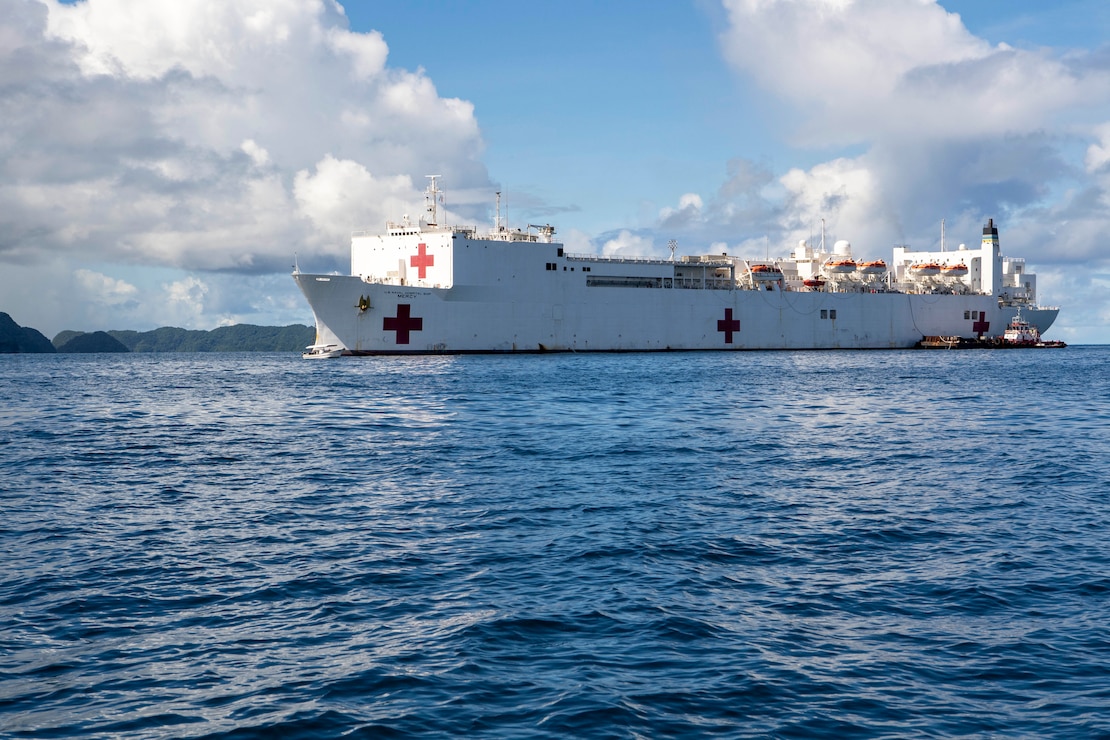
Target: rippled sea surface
{"type": "Point", "coordinates": [848, 544]}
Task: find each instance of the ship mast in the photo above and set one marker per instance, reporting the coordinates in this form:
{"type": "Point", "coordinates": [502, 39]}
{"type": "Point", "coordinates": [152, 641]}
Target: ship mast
{"type": "Point", "coordinates": [431, 196]}
{"type": "Point", "coordinates": [942, 235]}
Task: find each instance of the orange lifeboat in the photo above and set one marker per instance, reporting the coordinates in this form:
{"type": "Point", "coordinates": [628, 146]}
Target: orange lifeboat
{"type": "Point", "coordinates": [841, 267]}
{"type": "Point", "coordinates": [925, 269]}
{"type": "Point", "coordinates": [814, 283]}
{"type": "Point", "coordinates": [955, 271]}
{"type": "Point", "coordinates": [766, 272]}
{"type": "Point", "coordinates": [876, 267]}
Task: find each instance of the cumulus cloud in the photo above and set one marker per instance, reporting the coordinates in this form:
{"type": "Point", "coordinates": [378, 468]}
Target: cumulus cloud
{"type": "Point", "coordinates": [210, 135]}
{"type": "Point", "coordinates": [1098, 153]}
{"type": "Point", "coordinates": [887, 68]}
{"type": "Point", "coordinates": [948, 121]}
{"type": "Point", "coordinates": [189, 292]}
{"type": "Point", "coordinates": [627, 244]}
{"type": "Point", "coordinates": [337, 196]}
{"type": "Point", "coordinates": [106, 289]}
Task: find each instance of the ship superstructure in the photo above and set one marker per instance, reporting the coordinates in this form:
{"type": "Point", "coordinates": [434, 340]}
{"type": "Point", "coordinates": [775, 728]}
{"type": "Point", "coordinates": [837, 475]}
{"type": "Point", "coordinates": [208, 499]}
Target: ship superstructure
{"type": "Point", "coordinates": [426, 287]}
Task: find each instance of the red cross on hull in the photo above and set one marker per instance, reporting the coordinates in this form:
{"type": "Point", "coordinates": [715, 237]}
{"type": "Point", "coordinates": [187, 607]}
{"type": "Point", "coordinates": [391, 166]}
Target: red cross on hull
{"type": "Point", "coordinates": [728, 325]}
{"type": "Point", "coordinates": [981, 327]}
{"type": "Point", "coordinates": [403, 323]}
{"type": "Point", "coordinates": [422, 260]}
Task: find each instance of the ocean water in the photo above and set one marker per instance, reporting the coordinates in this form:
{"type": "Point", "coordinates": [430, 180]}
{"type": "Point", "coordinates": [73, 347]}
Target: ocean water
{"type": "Point", "coordinates": [778, 544]}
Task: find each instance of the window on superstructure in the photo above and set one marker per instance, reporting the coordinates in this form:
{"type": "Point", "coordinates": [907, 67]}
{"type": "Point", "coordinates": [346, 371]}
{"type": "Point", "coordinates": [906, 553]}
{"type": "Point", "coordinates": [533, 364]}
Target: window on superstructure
{"type": "Point", "coordinates": [832, 314]}
{"type": "Point", "coordinates": [824, 313]}
{"type": "Point", "coordinates": [967, 314]}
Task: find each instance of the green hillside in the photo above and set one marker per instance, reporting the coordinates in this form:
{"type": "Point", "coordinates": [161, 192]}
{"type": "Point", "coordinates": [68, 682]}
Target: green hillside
{"type": "Point", "coordinates": [16, 339]}
{"type": "Point", "coordinates": [238, 338]}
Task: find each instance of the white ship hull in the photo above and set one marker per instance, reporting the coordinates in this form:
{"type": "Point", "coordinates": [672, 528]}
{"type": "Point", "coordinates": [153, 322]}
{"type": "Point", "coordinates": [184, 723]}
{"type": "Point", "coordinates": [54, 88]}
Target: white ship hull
{"type": "Point", "coordinates": [423, 320]}
{"type": "Point", "coordinates": [431, 289]}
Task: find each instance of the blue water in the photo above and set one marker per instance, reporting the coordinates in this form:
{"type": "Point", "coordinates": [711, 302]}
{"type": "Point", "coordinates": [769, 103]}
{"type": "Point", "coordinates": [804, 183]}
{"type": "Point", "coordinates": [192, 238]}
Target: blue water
{"type": "Point", "coordinates": [836, 544]}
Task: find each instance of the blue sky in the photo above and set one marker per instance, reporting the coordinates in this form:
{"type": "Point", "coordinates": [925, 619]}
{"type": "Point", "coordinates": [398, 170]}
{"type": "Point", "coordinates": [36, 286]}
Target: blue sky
{"type": "Point", "coordinates": [163, 162]}
{"type": "Point", "coordinates": [578, 100]}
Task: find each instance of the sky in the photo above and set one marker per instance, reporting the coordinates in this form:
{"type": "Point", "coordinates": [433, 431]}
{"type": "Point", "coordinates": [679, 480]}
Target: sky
{"type": "Point", "coordinates": [167, 162]}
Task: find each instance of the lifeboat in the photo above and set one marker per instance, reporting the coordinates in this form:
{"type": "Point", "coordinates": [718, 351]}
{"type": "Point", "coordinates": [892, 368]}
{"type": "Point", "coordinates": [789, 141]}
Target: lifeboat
{"type": "Point", "coordinates": [814, 283]}
{"type": "Point", "coordinates": [877, 267]}
{"type": "Point", "coordinates": [925, 269]}
{"type": "Point", "coordinates": [841, 267]}
{"type": "Point", "coordinates": [766, 272]}
{"type": "Point", "coordinates": [954, 271]}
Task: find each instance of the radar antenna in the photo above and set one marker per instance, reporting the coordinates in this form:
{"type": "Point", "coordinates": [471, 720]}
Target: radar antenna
{"type": "Point", "coordinates": [672, 245]}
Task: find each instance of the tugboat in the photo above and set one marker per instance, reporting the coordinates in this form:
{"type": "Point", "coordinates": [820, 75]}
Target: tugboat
{"type": "Point", "coordinates": [1020, 333]}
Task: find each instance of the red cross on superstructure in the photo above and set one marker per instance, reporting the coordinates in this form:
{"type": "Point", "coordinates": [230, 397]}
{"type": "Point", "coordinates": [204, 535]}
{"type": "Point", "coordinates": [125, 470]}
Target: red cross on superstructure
{"type": "Point", "coordinates": [981, 326]}
{"type": "Point", "coordinates": [422, 259]}
{"type": "Point", "coordinates": [403, 323]}
{"type": "Point", "coordinates": [728, 325]}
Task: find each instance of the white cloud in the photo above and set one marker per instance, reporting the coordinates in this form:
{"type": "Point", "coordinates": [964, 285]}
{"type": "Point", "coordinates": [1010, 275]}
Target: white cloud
{"type": "Point", "coordinates": [843, 192]}
{"type": "Point", "coordinates": [689, 208]}
{"type": "Point", "coordinates": [342, 195]}
{"type": "Point", "coordinates": [179, 133]}
{"type": "Point", "coordinates": [861, 69]}
{"type": "Point", "coordinates": [187, 302]}
{"type": "Point", "coordinates": [225, 41]}
{"type": "Point", "coordinates": [691, 201]}
{"type": "Point", "coordinates": [843, 60]}
{"type": "Point", "coordinates": [103, 288]}
{"type": "Point", "coordinates": [838, 51]}
{"type": "Point", "coordinates": [367, 50]}
{"type": "Point", "coordinates": [258, 155]}
{"type": "Point", "coordinates": [190, 291]}
{"type": "Point", "coordinates": [207, 135]}
{"type": "Point", "coordinates": [1098, 153]}
{"type": "Point", "coordinates": [627, 244]}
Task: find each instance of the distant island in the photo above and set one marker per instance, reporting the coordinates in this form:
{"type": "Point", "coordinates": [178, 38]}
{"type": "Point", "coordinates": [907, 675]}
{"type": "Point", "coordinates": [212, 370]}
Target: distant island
{"type": "Point", "coordinates": [239, 338]}
{"type": "Point", "coordinates": [16, 339]}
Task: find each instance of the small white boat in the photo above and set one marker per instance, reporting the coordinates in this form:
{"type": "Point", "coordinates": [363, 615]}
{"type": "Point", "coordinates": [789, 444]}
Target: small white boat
{"type": "Point", "coordinates": [321, 351]}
